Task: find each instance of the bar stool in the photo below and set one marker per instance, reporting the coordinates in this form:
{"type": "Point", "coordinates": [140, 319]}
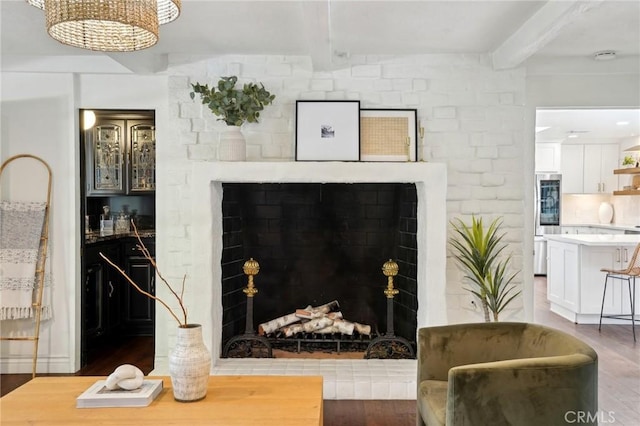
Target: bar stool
{"type": "Point", "coordinates": [629, 275]}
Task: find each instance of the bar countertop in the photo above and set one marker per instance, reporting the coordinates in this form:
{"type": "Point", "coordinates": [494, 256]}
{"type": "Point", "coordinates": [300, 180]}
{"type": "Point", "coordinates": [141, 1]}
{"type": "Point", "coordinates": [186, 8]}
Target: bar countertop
{"type": "Point", "coordinates": [596, 239]}
{"type": "Point", "coordinates": [96, 237]}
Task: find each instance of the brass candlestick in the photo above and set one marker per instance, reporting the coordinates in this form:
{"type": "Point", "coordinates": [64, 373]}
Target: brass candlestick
{"type": "Point", "coordinates": [408, 143]}
{"type": "Point", "coordinates": [421, 130]}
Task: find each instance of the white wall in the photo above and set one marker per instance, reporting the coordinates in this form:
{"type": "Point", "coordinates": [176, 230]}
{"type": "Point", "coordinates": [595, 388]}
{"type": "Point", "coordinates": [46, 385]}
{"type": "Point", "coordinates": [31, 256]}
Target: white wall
{"type": "Point", "coordinates": [473, 117]}
{"type": "Point", "coordinates": [40, 116]}
{"type": "Point", "coordinates": [478, 121]}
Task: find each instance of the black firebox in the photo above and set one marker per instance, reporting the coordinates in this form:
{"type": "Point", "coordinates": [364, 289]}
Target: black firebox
{"type": "Point", "coordinates": [317, 243]}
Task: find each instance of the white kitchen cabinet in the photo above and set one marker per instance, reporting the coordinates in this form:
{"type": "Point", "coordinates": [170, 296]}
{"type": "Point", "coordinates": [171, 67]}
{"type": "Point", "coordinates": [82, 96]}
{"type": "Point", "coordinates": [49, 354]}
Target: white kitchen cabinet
{"type": "Point", "coordinates": [562, 275]}
{"type": "Point", "coordinates": [588, 168]}
{"type": "Point", "coordinates": [548, 157]}
{"type": "Point", "coordinates": [599, 163]}
{"type": "Point", "coordinates": [572, 160]}
{"type": "Point", "coordinates": [572, 229]}
{"type": "Point", "coordinates": [592, 280]}
{"type": "Point", "coordinates": [575, 283]}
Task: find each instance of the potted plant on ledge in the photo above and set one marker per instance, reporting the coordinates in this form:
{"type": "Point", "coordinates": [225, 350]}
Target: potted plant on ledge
{"type": "Point", "coordinates": [629, 162]}
{"type": "Point", "coordinates": [235, 107]}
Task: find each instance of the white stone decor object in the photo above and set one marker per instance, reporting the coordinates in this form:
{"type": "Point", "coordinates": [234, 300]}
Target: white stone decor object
{"type": "Point", "coordinates": [605, 212]}
{"type": "Point", "coordinates": [126, 376]}
{"type": "Point", "coordinates": [189, 364]}
{"type": "Point", "coordinates": [232, 146]}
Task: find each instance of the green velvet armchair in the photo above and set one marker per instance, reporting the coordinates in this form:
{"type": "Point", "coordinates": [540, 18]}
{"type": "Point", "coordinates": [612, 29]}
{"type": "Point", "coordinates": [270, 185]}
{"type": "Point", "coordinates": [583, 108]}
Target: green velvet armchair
{"type": "Point", "coordinates": [504, 373]}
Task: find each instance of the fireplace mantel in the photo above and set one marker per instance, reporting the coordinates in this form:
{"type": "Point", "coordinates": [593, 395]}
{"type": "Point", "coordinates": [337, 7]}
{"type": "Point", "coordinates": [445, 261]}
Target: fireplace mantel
{"type": "Point", "coordinates": [206, 198]}
{"type": "Point", "coordinates": [325, 172]}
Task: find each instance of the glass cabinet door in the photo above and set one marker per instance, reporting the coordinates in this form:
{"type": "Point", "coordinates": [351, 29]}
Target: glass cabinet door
{"type": "Point", "coordinates": [106, 152]}
{"type": "Point", "coordinates": [143, 157]}
{"type": "Point", "coordinates": [549, 202]}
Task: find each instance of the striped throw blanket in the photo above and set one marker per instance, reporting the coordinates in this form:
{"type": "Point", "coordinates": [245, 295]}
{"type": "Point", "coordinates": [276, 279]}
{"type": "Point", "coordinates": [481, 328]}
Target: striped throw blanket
{"type": "Point", "coordinates": [21, 225]}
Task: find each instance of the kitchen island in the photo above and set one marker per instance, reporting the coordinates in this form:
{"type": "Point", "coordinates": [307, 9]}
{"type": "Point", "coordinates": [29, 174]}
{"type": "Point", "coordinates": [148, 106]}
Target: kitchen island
{"type": "Point", "coordinates": [574, 280]}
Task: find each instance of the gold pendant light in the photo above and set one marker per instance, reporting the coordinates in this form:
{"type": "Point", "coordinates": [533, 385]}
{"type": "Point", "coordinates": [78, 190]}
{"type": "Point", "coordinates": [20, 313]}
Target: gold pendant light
{"type": "Point", "coordinates": [107, 25]}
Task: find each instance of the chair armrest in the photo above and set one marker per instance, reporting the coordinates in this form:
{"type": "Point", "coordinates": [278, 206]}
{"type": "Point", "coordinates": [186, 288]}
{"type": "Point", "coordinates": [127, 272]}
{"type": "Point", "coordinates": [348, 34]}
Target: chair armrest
{"type": "Point", "coordinates": [531, 391]}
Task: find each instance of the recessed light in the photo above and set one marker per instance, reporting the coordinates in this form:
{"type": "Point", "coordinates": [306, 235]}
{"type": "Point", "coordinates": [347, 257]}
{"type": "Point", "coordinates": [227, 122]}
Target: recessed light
{"type": "Point", "coordinates": [622, 123]}
{"type": "Point", "coordinates": [604, 55]}
{"type": "Point", "coordinates": [575, 133]}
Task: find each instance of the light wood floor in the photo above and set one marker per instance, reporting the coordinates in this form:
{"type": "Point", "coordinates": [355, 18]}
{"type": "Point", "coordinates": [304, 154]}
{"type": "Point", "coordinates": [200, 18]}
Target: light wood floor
{"type": "Point", "coordinates": [618, 360]}
{"type": "Point", "coordinates": [618, 381]}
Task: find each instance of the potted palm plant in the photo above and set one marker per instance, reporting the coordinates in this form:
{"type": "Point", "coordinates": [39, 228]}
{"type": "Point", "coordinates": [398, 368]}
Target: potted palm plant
{"type": "Point", "coordinates": [234, 106]}
{"type": "Point", "coordinates": [478, 250]}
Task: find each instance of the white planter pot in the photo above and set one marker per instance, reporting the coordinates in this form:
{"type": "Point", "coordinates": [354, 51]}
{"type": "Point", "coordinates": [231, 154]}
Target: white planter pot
{"type": "Point", "coordinates": [189, 365]}
{"type": "Point", "coordinates": [232, 146]}
{"type": "Point", "coordinates": [605, 213]}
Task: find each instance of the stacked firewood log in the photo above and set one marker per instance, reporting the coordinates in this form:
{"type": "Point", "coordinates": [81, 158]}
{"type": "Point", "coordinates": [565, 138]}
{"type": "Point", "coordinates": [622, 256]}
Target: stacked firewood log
{"type": "Point", "coordinates": [321, 319]}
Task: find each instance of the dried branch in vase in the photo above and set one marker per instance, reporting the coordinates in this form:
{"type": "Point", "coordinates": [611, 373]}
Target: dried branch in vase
{"type": "Point", "coordinates": [147, 255]}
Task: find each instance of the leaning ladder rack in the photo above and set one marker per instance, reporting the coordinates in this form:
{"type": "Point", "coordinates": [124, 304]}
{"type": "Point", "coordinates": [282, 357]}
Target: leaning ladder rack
{"type": "Point", "coordinates": [40, 266]}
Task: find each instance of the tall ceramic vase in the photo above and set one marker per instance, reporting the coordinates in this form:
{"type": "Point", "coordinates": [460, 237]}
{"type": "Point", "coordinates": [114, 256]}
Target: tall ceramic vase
{"type": "Point", "coordinates": [189, 365]}
{"type": "Point", "coordinates": [232, 146]}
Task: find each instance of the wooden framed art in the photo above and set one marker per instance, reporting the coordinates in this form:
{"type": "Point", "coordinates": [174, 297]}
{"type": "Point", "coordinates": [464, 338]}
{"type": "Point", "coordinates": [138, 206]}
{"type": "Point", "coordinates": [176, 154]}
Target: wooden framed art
{"type": "Point", "coordinates": [388, 134]}
{"type": "Point", "coordinates": [327, 130]}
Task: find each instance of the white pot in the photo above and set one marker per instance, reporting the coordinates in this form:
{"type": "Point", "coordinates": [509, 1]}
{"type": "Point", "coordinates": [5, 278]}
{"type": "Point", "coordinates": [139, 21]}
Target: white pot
{"type": "Point", "coordinates": [605, 213]}
{"type": "Point", "coordinates": [189, 365]}
{"type": "Point", "coordinates": [232, 146]}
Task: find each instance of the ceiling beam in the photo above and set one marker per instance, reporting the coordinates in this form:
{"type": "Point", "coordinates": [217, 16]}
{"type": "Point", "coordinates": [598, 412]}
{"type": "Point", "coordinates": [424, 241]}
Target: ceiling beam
{"type": "Point", "coordinates": [317, 22]}
{"type": "Point", "coordinates": [141, 61]}
{"type": "Point", "coordinates": [544, 26]}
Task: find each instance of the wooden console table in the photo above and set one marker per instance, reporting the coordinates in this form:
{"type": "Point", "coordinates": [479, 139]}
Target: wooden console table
{"type": "Point", "coordinates": [230, 401]}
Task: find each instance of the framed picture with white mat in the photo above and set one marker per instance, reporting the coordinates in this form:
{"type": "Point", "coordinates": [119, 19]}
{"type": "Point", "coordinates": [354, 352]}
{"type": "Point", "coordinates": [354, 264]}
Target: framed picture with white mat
{"type": "Point", "coordinates": [327, 130]}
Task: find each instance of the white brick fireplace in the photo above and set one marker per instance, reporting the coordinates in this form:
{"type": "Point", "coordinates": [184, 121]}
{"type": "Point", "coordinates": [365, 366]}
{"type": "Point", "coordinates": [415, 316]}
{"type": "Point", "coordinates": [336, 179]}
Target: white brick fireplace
{"type": "Point", "coordinates": [343, 379]}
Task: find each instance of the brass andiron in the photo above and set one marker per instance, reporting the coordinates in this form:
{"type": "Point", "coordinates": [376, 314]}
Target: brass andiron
{"type": "Point", "coordinates": [249, 344]}
{"type": "Point", "coordinates": [250, 269]}
{"type": "Point", "coordinates": [390, 270]}
{"type": "Point", "coordinates": [389, 346]}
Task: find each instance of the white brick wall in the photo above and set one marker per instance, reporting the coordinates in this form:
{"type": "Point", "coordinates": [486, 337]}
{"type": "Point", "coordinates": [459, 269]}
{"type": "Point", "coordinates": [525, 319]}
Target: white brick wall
{"type": "Point", "coordinates": [473, 118]}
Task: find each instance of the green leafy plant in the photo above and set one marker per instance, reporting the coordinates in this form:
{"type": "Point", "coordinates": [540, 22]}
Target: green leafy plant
{"type": "Point", "coordinates": [234, 106]}
{"type": "Point", "coordinates": [628, 160]}
{"type": "Point", "coordinates": [477, 251]}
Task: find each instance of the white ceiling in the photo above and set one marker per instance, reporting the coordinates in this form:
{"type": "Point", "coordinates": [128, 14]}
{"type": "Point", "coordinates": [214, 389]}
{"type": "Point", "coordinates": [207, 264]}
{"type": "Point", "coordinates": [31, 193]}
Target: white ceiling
{"type": "Point", "coordinates": [588, 126]}
{"type": "Point", "coordinates": [561, 34]}
{"type": "Point", "coordinates": [335, 32]}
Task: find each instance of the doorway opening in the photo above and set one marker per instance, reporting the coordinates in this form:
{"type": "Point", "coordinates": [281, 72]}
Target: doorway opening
{"type": "Point", "coordinates": [117, 174]}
